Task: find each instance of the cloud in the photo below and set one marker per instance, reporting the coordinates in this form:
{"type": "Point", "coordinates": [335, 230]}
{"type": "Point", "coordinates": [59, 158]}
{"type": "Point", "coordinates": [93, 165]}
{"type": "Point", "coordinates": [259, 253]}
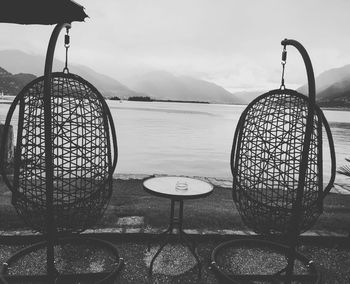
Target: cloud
{"type": "Point", "coordinates": [233, 43]}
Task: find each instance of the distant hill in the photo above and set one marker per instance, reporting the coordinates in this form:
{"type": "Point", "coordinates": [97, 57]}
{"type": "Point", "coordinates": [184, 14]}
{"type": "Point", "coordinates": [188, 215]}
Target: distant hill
{"type": "Point", "coordinates": [161, 85]}
{"type": "Point", "coordinates": [12, 84]}
{"type": "Point", "coordinates": [17, 61]}
{"type": "Point", "coordinates": [337, 95]}
{"type": "Point", "coordinates": [332, 87]}
{"type": "Point", "coordinates": [248, 96]}
{"type": "Point", "coordinates": [157, 85]}
{"type": "Point", "coordinates": [108, 86]}
{"type": "Point", "coordinates": [329, 78]}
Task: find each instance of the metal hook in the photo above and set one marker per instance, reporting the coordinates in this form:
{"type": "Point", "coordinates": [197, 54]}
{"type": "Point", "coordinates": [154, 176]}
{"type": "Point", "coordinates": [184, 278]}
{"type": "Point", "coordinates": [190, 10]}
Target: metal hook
{"type": "Point", "coordinates": [66, 45]}
{"type": "Point", "coordinates": [283, 62]}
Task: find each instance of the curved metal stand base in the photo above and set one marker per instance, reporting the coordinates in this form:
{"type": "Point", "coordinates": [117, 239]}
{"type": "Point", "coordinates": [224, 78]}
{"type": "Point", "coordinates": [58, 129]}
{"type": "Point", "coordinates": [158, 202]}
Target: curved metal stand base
{"type": "Point", "coordinates": [182, 237]}
{"type": "Point", "coordinates": [313, 275]}
{"type": "Point", "coordinates": [97, 277]}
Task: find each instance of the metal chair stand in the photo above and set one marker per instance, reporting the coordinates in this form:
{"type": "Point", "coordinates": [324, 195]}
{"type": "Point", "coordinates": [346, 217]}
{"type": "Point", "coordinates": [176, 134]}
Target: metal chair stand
{"type": "Point", "coordinates": [230, 274]}
{"type": "Point", "coordinates": [81, 277]}
{"type": "Point", "coordinates": [64, 161]}
{"type": "Point", "coordinates": [277, 169]}
{"type": "Point", "coordinates": [175, 222]}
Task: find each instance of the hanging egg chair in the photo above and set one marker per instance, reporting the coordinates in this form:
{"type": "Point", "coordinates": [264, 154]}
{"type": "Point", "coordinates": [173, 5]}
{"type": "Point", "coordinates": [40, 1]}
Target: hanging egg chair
{"type": "Point", "coordinates": [277, 166]}
{"type": "Point", "coordinates": [267, 158]}
{"type": "Point", "coordinates": [81, 154]}
{"type": "Point", "coordinates": [65, 156]}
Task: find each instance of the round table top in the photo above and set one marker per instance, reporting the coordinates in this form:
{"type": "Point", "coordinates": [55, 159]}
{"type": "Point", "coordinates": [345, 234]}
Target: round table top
{"type": "Point", "coordinates": [178, 187]}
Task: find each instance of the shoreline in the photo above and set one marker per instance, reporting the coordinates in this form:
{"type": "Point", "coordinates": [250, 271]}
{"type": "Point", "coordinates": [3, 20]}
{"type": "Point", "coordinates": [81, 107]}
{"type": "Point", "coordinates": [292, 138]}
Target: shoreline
{"type": "Point", "coordinates": [9, 100]}
{"type": "Point", "coordinates": [225, 183]}
{"type": "Point", "coordinates": [335, 108]}
{"type": "Point", "coordinates": [220, 182]}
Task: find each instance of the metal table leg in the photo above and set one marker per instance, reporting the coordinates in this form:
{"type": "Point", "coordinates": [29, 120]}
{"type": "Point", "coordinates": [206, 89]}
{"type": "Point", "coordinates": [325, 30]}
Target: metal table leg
{"type": "Point", "coordinates": [183, 238]}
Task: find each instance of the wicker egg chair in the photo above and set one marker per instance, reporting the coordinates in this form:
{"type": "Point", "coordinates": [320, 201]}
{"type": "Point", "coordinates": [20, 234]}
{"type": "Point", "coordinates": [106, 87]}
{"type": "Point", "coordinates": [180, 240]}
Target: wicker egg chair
{"type": "Point", "coordinates": [277, 169]}
{"type": "Point", "coordinates": [266, 161]}
{"type": "Point", "coordinates": [81, 154]}
{"type": "Point", "coordinates": [65, 157]}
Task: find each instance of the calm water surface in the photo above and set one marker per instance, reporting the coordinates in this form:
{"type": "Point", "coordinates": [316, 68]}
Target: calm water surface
{"type": "Point", "coordinates": [191, 139]}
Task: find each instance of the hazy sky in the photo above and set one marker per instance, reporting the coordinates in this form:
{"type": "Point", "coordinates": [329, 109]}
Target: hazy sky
{"type": "Point", "coordinates": [234, 43]}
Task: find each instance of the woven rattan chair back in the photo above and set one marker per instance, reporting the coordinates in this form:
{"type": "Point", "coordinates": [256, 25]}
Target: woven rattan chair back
{"type": "Point", "coordinates": [266, 159]}
{"type": "Point", "coordinates": [83, 142]}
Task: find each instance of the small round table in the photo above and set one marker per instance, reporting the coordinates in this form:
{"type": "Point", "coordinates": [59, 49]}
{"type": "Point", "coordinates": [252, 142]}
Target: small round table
{"type": "Point", "coordinates": [177, 189]}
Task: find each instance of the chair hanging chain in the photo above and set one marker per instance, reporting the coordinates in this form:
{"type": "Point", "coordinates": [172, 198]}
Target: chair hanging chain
{"type": "Point", "coordinates": [283, 62]}
{"type": "Point", "coordinates": [66, 45]}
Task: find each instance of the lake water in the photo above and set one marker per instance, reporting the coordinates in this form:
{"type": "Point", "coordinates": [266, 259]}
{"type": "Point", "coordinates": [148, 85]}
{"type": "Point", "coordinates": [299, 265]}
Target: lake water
{"type": "Point", "coordinates": [192, 139]}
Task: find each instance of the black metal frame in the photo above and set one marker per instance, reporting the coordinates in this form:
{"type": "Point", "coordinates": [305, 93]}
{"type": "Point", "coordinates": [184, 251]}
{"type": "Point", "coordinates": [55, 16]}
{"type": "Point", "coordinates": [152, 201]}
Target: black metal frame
{"type": "Point", "coordinates": [98, 277]}
{"type": "Point", "coordinates": [305, 204]}
{"type": "Point", "coordinates": [51, 233]}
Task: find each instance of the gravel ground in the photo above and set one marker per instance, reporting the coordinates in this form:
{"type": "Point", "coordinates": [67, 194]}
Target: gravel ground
{"type": "Point", "coordinates": [174, 265]}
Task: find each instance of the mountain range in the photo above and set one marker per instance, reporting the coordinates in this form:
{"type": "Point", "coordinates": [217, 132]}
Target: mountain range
{"type": "Point", "coordinates": [12, 84]}
{"type": "Point", "coordinates": [332, 87]}
{"type": "Point", "coordinates": [166, 86]}
{"type": "Point", "coordinates": [18, 68]}
{"type": "Point", "coordinates": [16, 61]}
{"type": "Point", "coordinates": [158, 85]}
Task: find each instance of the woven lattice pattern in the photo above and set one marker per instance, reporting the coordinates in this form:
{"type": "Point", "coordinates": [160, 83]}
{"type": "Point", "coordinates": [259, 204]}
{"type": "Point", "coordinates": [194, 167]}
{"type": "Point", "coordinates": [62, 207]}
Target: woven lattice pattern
{"type": "Point", "coordinates": [81, 151]}
{"type": "Point", "coordinates": [267, 161]}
